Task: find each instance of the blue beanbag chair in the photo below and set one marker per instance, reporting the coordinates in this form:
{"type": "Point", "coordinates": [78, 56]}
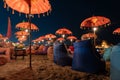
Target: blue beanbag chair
{"type": "Point", "coordinates": [86, 58]}
{"type": "Point", "coordinates": [107, 52]}
{"type": "Point", "coordinates": [61, 57]}
{"type": "Point", "coordinates": [115, 63]}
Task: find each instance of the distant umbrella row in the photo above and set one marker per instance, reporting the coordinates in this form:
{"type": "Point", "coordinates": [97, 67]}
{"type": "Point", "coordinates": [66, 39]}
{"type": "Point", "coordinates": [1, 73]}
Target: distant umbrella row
{"type": "Point", "coordinates": [92, 22]}
{"type": "Point", "coordinates": [62, 32]}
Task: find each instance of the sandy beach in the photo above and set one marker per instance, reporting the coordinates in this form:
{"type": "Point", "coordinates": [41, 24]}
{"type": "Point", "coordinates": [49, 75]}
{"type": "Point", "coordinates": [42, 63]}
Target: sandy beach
{"type": "Point", "coordinates": [44, 69]}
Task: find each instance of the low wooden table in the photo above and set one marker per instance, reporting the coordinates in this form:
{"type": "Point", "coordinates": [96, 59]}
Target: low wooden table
{"type": "Point", "coordinates": [20, 52]}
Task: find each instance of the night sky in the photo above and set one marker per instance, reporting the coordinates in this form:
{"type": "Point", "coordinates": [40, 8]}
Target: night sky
{"type": "Point", "coordinates": [69, 14]}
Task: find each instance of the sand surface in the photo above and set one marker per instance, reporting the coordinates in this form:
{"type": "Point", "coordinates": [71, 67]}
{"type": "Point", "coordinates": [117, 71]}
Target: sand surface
{"type": "Point", "coordinates": [44, 69]}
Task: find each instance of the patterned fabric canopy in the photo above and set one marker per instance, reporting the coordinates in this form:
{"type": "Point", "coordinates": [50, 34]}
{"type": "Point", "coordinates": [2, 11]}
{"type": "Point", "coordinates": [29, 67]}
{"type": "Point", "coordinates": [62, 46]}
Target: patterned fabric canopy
{"type": "Point", "coordinates": [23, 6]}
{"type": "Point", "coordinates": [95, 21]}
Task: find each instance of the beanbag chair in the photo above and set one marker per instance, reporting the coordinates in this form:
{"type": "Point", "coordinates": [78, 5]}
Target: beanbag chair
{"type": "Point", "coordinates": [107, 52]}
{"type": "Point", "coordinates": [61, 57]}
{"type": "Point", "coordinates": [86, 58]}
{"type": "Point", "coordinates": [115, 63]}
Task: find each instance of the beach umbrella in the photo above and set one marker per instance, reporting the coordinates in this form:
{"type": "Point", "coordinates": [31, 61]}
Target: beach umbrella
{"type": "Point", "coordinates": [41, 38]}
{"type": "Point", "coordinates": [19, 36]}
{"type": "Point", "coordinates": [4, 38]}
{"type": "Point", "coordinates": [29, 7]}
{"type": "Point", "coordinates": [26, 26]}
{"type": "Point", "coordinates": [71, 38]}
{"type": "Point", "coordinates": [34, 41]}
{"type": "Point", "coordinates": [63, 32]}
{"type": "Point", "coordinates": [22, 39]}
{"type": "Point", "coordinates": [21, 33]}
{"type": "Point", "coordinates": [116, 31]}
{"type": "Point", "coordinates": [61, 39]}
{"type": "Point", "coordinates": [89, 35]}
{"type": "Point", "coordinates": [94, 22]}
{"type": "Point", "coordinates": [50, 36]}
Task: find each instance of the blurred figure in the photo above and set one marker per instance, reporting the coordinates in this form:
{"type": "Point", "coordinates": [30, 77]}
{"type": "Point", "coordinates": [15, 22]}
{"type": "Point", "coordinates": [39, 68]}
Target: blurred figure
{"type": "Point", "coordinates": [50, 53]}
{"type": "Point", "coordinates": [115, 63]}
{"type": "Point", "coordinates": [71, 49]}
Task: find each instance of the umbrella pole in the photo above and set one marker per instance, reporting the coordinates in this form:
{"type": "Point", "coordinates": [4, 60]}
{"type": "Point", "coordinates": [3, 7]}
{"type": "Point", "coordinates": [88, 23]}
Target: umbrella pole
{"type": "Point", "coordinates": [29, 20]}
{"type": "Point", "coordinates": [94, 29]}
{"type": "Point", "coordinates": [94, 39]}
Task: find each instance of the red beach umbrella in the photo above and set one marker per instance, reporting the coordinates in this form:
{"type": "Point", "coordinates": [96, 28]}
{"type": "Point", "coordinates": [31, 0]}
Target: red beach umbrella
{"type": "Point", "coordinates": [63, 32]}
{"type": "Point", "coordinates": [60, 39]}
{"type": "Point", "coordinates": [23, 6]}
{"type": "Point", "coordinates": [29, 7]}
{"type": "Point", "coordinates": [25, 25]}
{"type": "Point", "coordinates": [50, 36]}
{"type": "Point", "coordinates": [21, 33]}
{"type": "Point", "coordinates": [89, 35]}
{"type": "Point", "coordinates": [116, 31]}
{"type": "Point", "coordinates": [71, 38]}
{"type": "Point", "coordinates": [95, 21]}
{"type": "Point", "coordinates": [41, 38]}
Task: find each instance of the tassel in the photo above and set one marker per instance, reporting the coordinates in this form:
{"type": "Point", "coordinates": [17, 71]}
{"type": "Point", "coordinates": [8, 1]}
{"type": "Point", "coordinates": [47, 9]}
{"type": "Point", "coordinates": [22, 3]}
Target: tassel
{"type": "Point", "coordinates": [43, 14]}
{"type": "Point", "coordinates": [32, 16]}
{"type": "Point", "coordinates": [7, 8]}
{"type": "Point", "coordinates": [5, 5]}
{"type": "Point", "coordinates": [26, 16]}
{"type": "Point", "coordinates": [38, 15]}
{"type": "Point", "coordinates": [50, 10]}
{"type": "Point", "coordinates": [19, 14]}
{"type": "Point", "coordinates": [47, 13]}
{"type": "Point", "coordinates": [12, 11]}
